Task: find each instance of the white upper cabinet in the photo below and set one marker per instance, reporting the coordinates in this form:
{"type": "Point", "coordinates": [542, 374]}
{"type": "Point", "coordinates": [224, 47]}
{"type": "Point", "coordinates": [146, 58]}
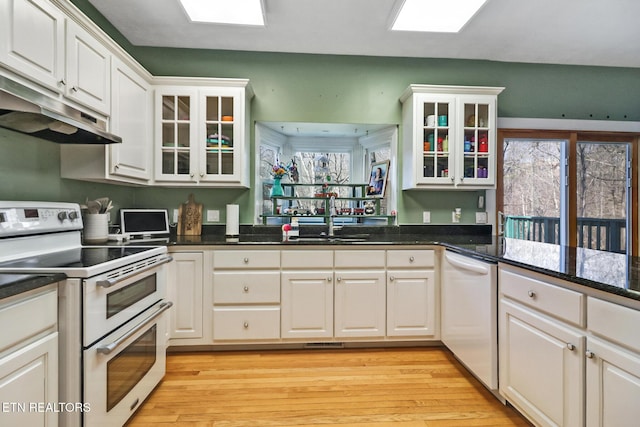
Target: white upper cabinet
{"type": "Point", "coordinates": [40, 43]}
{"type": "Point", "coordinates": [32, 40]}
{"type": "Point", "coordinates": [202, 133]}
{"type": "Point", "coordinates": [88, 70]}
{"type": "Point", "coordinates": [131, 119]}
{"type": "Point", "coordinates": [449, 136]}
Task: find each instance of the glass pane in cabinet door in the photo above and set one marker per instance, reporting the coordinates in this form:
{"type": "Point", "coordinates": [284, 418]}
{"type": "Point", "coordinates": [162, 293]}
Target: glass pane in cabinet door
{"type": "Point", "coordinates": [183, 163]}
{"type": "Point", "coordinates": [469, 141]}
{"type": "Point", "coordinates": [168, 136]}
{"type": "Point", "coordinates": [227, 134]}
{"type": "Point", "coordinates": [183, 134]}
{"type": "Point", "coordinates": [168, 108]}
{"type": "Point", "coordinates": [429, 112]}
{"type": "Point", "coordinates": [227, 162]}
{"type": "Point", "coordinates": [168, 162]}
{"type": "Point", "coordinates": [483, 115]}
{"type": "Point", "coordinates": [213, 157]}
{"type": "Point", "coordinates": [212, 113]}
{"type": "Point", "coordinates": [213, 136]}
{"type": "Point", "coordinates": [470, 166]}
{"type": "Point", "coordinates": [429, 137]}
{"type": "Point", "coordinates": [184, 108]}
{"type": "Point", "coordinates": [428, 170]}
{"type": "Point", "coordinates": [443, 166]}
{"type": "Point", "coordinates": [227, 109]}
{"type": "Point", "coordinates": [483, 142]}
{"type": "Point", "coordinates": [442, 114]}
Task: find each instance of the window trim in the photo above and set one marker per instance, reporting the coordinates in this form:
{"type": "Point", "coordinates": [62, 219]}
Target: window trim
{"type": "Point", "coordinates": [574, 137]}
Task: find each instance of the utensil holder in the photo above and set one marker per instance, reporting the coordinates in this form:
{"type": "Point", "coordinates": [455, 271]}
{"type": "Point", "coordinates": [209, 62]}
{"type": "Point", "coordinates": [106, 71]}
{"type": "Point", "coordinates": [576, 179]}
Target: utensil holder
{"type": "Point", "coordinates": [96, 228]}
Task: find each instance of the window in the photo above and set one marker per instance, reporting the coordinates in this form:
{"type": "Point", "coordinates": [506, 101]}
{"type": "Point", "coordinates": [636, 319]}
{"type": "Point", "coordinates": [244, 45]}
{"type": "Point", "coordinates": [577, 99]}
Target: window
{"type": "Point", "coordinates": [569, 188]}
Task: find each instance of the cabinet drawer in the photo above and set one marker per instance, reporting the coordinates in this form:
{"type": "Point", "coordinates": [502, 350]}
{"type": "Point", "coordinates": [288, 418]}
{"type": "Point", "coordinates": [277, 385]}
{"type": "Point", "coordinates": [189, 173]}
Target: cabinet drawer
{"type": "Point", "coordinates": [239, 323]}
{"type": "Point", "coordinates": [307, 259]}
{"type": "Point", "coordinates": [246, 259]}
{"type": "Point", "coordinates": [359, 259]}
{"type": "Point", "coordinates": [28, 318]}
{"type": "Point", "coordinates": [411, 258]}
{"type": "Point", "coordinates": [248, 287]}
{"type": "Point", "coordinates": [614, 323]}
{"type": "Point", "coordinates": [556, 301]}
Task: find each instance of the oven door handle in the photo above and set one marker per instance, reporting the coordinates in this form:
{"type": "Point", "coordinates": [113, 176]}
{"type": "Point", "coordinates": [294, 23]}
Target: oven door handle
{"type": "Point", "coordinates": [107, 283]}
{"type": "Point", "coordinates": [107, 349]}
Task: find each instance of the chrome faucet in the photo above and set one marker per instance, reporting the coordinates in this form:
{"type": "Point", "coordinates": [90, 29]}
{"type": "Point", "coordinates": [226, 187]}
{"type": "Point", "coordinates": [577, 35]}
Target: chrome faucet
{"type": "Point", "coordinates": [332, 214]}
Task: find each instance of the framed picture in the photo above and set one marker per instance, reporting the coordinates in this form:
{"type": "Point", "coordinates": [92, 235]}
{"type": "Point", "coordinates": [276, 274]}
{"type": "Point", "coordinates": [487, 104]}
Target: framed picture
{"type": "Point", "coordinates": [377, 179]}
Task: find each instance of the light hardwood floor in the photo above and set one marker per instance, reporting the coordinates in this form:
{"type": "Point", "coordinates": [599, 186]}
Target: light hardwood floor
{"type": "Point", "coordinates": [408, 387]}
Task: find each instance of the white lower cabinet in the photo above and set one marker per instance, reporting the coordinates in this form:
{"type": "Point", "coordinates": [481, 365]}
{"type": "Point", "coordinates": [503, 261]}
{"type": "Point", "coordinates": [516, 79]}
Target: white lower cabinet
{"type": "Point", "coordinates": [360, 303]}
{"type": "Point", "coordinates": [307, 294]}
{"type": "Point", "coordinates": [29, 359]}
{"type": "Point", "coordinates": [360, 294]}
{"type": "Point", "coordinates": [246, 296]}
{"type": "Point", "coordinates": [541, 366]}
{"type": "Point", "coordinates": [411, 294]}
{"type": "Point", "coordinates": [186, 285]}
{"type": "Point", "coordinates": [613, 365]}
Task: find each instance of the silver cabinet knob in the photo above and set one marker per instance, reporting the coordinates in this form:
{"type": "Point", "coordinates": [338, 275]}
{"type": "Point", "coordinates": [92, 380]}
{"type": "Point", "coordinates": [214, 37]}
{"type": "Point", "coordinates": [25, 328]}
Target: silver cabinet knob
{"type": "Point", "coordinates": [246, 260]}
{"type": "Point", "coordinates": [63, 82]}
{"type": "Point", "coordinates": [201, 174]}
{"type": "Point", "coordinates": [246, 289]}
{"type": "Point", "coordinates": [392, 278]}
{"type": "Point", "coordinates": [411, 259]}
{"type": "Point", "coordinates": [75, 89]}
{"type": "Point", "coordinates": [246, 325]}
{"type": "Point", "coordinates": [329, 279]}
{"type": "Point", "coordinates": [531, 294]}
{"type": "Point", "coordinates": [570, 346]}
{"type": "Point", "coordinates": [590, 354]}
{"type": "Point", "coordinates": [339, 279]}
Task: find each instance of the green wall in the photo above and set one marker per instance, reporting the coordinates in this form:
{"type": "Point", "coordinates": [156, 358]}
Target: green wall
{"type": "Point", "coordinates": [342, 89]}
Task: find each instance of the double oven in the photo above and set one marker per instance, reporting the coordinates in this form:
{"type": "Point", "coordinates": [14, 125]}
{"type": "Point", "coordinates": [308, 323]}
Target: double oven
{"type": "Point", "coordinates": [111, 311]}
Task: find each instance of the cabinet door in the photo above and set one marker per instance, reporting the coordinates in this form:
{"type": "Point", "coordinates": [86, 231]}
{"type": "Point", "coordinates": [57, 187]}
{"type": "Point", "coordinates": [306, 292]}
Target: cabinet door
{"type": "Point", "coordinates": [88, 70]}
{"type": "Point", "coordinates": [435, 120]}
{"type": "Point", "coordinates": [411, 305]}
{"type": "Point", "coordinates": [221, 135]}
{"type": "Point", "coordinates": [186, 291]}
{"type": "Point", "coordinates": [131, 118]}
{"type": "Point", "coordinates": [176, 133]}
{"type": "Point", "coordinates": [613, 385]}
{"type": "Point", "coordinates": [541, 366]}
{"type": "Point", "coordinates": [32, 40]}
{"type": "Point", "coordinates": [476, 164]}
{"type": "Point", "coordinates": [29, 376]}
{"type": "Point", "coordinates": [307, 304]}
{"type": "Point", "coordinates": [360, 303]}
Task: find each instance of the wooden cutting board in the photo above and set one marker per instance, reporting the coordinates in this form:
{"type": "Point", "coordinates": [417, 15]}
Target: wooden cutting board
{"type": "Point", "coordinates": [190, 218]}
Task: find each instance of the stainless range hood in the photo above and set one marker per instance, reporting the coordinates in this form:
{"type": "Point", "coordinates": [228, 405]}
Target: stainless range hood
{"type": "Point", "coordinates": [27, 111]}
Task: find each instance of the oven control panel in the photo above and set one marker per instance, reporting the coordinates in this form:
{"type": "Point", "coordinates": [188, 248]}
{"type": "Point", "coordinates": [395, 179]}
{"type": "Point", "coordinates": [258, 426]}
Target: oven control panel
{"type": "Point", "coordinates": [20, 218]}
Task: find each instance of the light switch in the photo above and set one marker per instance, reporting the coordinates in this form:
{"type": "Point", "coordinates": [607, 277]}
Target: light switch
{"type": "Point", "coordinates": [426, 217]}
{"type": "Point", "coordinates": [213, 215]}
{"type": "Point", "coordinates": [175, 216]}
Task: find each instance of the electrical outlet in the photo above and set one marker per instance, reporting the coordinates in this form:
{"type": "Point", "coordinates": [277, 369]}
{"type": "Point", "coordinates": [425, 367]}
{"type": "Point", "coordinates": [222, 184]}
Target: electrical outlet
{"type": "Point", "coordinates": [213, 215]}
{"type": "Point", "coordinates": [175, 216]}
{"type": "Point", "coordinates": [426, 217]}
{"type": "Point", "coordinates": [481, 217]}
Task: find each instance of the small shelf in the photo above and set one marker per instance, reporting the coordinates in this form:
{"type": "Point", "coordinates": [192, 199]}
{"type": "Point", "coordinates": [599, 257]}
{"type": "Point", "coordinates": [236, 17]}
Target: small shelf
{"type": "Point", "coordinates": [350, 206]}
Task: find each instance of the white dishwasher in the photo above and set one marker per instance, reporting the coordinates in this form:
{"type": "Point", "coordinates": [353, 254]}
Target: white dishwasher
{"type": "Point", "coordinates": [470, 314]}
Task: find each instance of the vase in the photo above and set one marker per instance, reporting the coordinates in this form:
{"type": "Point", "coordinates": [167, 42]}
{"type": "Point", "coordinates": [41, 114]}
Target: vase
{"type": "Point", "coordinates": [276, 188]}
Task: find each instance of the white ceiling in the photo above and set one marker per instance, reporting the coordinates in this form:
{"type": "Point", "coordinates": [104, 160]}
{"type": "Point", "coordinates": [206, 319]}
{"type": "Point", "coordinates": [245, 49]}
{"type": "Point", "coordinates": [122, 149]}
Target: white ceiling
{"type": "Point", "coordinates": [580, 32]}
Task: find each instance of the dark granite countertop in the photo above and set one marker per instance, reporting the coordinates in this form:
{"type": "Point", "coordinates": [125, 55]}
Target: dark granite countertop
{"type": "Point", "coordinates": [605, 271]}
{"type": "Point", "coordinates": [13, 284]}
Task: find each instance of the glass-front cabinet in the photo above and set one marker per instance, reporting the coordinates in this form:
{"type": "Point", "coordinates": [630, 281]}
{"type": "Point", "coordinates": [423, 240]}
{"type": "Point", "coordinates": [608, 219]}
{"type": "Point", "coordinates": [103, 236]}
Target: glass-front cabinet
{"type": "Point", "coordinates": [202, 135]}
{"type": "Point", "coordinates": [449, 136]}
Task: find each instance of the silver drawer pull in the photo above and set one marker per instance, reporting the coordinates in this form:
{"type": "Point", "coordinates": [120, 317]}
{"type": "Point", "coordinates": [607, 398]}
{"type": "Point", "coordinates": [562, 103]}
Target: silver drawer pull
{"type": "Point", "coordinates": [107, 349]}
{"type": "Point", "coordinates": [246, 325]}
{"type": "Point", "coordinates": [246, 260]}
{"type": "Point", "coordinates": [531, 294]}
{"type": "Point", "coordinates": [107, 283]}
{"type": "Point", "coordinates": [590, 354]}
{"type": "Point", "coordinates": [411, 259]}
{"type": "Point", "coordinates": [329, 279]}
{"type": "Point", "coordinates": [392, 278]}
{"type": "Point", "coordinates": [571, 347]}
{"type": "Point", "coordinates": [246, 289]}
